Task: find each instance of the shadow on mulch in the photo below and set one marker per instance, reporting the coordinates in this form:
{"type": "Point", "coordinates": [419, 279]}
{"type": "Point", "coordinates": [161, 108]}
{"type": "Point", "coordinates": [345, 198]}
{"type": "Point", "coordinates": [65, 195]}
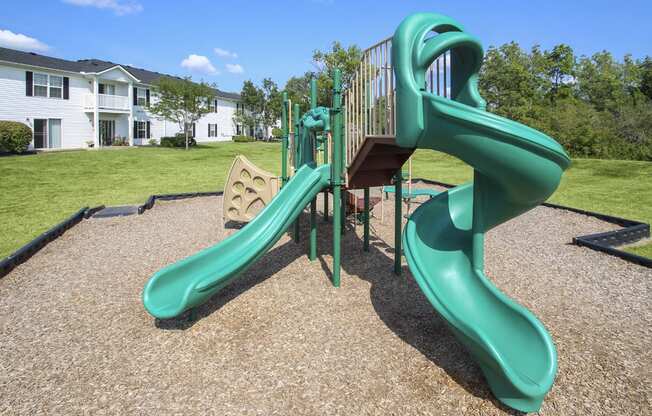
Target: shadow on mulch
{"type": "Point", "coordinates": [397, 300]}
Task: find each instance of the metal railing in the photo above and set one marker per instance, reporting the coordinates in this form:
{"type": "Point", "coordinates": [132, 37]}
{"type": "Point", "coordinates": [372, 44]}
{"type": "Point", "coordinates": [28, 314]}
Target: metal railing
{"type": "Point", "coordinates": [369, 99]}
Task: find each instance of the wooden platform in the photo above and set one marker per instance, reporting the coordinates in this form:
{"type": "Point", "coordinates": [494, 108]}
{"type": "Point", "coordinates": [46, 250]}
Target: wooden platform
{"type": "Point", "coordinates": [376, 162]}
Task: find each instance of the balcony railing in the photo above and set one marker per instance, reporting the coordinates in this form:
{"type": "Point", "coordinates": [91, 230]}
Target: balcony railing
{"type": "Point", "coordinates": [107, 102]}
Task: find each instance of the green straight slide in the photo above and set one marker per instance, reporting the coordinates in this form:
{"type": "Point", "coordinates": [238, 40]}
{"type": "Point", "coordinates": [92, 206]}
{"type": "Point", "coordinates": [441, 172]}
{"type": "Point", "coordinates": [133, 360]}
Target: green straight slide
{"type": "Point", "coordinates": [193, 280]}
{"type": "Point", "coordinates": [515, 169]}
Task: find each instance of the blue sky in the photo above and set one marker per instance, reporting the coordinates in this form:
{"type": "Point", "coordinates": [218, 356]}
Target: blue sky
{"type": "Point", "coordinates": [229, 41]}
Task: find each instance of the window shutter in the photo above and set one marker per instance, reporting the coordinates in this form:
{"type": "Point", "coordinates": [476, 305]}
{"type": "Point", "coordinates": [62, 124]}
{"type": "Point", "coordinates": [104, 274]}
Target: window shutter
{"type": "Point", "coordinates": [135, 96]}
{"type": "Point", "coordinates": [29, 83]}
{"type": "Point", "coordinates": [66, 88]}
{"type": "Point", "coordinates": [136, 130]}
{"type": "Point", "coordinates": [193, 130]}
{"type": "Point", "coordinates": [149, 136]}
{"type": "Point", "coordinates": [147, 95]}
{"type": "Point", "coordinates": [209, 129]}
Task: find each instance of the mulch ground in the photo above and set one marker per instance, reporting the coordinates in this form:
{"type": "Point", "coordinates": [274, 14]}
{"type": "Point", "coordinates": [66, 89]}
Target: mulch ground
{"type": "Point", "coordinates": [75, 339]}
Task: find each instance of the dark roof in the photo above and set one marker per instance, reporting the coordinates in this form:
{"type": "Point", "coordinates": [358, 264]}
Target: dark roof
{"type": "Point", "coordinates": [87, 65]}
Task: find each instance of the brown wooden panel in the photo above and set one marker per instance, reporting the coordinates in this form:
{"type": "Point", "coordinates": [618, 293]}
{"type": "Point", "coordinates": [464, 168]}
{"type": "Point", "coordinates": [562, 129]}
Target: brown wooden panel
{"type": "Point", "coordinates": [376, 162]}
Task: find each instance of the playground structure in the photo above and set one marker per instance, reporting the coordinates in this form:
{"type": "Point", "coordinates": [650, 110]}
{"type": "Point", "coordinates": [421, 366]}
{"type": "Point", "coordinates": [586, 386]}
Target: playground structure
{"type": "Point", "coordinates": [411, 91]}
{"type": "Point", "coordinates": [248, 190]}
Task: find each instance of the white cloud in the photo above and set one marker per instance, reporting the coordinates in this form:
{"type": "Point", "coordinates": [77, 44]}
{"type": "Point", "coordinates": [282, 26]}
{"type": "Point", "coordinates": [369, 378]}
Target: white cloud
{"type": "Point", "coordinates": [198, 63]}
{"type": "Point", "coordinates": [223, 53]}
{"type": "Point", "coordinates": [234, 68]}
{"type": "Point", "coordinates": [119, 7]}
{"type": "Point", "coordinates": [9, 39]}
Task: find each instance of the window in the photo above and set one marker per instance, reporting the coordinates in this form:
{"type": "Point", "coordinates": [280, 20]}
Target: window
{"type": "Point", "coordinates": [213, 106]}
{"type": "Point", "coordinates": [40, 85]}
{"type": "Point", "coordinates": [107, 89]}
{"type": "Point", "coordinates": [56, 86]}
{"type": "Point", "coordinates": [212, 130]}
{"type": "Point", "coordinates": [140, 130]}
{"type": "Point", "coordinates": [141, 98]}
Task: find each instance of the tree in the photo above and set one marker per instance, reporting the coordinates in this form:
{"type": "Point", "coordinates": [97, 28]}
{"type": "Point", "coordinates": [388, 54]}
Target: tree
{"type": "Point", "coordinates": [183, 101]}
{"type": "Point", "coordinates": [272, 103]}
{"type": "Point", "coordinates": [347, 59]}
{"type": "Point", "coordinates": [250, 98]}
{"type": "Point", "coordinates": [298, 89]}
{"type": "Point", "coordinates": [262, 105]}
{"type": "Point", "coordinates": [560, 68]}
{"type": "Point", "coordinates": [509, 83]}
{"type": "Point", "coordinates": [600, 81]}
{"type": "Point", "coordinates": [646, 77]}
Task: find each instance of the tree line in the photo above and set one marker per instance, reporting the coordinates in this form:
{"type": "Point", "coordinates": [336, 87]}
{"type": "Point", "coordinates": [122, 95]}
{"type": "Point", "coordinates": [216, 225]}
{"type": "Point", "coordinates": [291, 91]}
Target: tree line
{"type": "Point", "coordinates": [595, 106]}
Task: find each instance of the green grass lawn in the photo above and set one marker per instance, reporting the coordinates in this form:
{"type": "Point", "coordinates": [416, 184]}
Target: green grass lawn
{"type": "Point", "coordinates": [40, 190]}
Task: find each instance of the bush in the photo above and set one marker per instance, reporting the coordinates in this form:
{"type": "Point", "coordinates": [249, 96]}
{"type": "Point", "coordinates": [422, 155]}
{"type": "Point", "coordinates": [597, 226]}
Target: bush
{"type": "Point", "coordinates": [177, 141]}
{"type": "Point", "coordinates": [152, 142]}
{"type": "Point", "coordinates": [15, 137]}
{"type": "Point", "coordinates": [120, 141]}
{"type": "Point", "coordinates": [277, 133]}
{"type": "Point", "coordinates": [243, 139]}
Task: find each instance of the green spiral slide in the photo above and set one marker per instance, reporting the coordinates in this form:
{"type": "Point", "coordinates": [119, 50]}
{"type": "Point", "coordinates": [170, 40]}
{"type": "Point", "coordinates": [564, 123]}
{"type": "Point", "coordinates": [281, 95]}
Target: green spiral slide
{"type": "Point", "coordinates": [515, 169]}
{"type": "Point", "coordinates": [193, 280]}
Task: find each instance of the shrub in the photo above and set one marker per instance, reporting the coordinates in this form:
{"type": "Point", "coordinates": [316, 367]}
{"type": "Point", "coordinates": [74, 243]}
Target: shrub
{"type": "Point", "coordinates": [15, 137]}
{"type": "Point", "coordinates": [152, 142]}
{"type": "Point", "coordinates": [276, 132]}
{"type": "Point", "coordinates": [120, 141]}
{"type": "Point", "coordinates": [243, 139]}
{"type": "Point", "coordinates": [177, 141]}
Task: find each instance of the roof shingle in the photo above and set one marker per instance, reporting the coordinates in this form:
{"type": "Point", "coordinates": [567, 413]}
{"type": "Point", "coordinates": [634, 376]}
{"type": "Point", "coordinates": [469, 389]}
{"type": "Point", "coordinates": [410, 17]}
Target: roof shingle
{"type": "Point", "coordinates": [87, 65]}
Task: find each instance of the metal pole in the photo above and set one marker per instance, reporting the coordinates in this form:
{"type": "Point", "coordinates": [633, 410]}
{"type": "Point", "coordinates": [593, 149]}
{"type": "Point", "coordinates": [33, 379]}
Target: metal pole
{"type": "Point", "coordinates": [313, 203]}
{"type": "Point", "coordinates": [398, 220]}
{"type": "Point", "coordinates": [284, 142]}
{"type": "Point", "coordinates": [326, 192]}
{"type": "Point", "coordinates": [337, 176]}
{"type": "Point", "coordinates": [366, 219]}
{"type": "Point", "coordinates": [296, 150]}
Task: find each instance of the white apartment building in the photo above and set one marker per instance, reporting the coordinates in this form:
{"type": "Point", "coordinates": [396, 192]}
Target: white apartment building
{"type": "Point", "coordinates": [69, 104]}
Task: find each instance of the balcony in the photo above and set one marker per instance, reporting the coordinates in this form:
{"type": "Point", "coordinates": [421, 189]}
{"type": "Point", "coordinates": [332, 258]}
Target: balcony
{"type": "Point", "coordinates": [106, 102]}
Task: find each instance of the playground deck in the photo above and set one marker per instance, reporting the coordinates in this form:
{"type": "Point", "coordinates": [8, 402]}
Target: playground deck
{"type": "Point", "coordinates": [76, 339]}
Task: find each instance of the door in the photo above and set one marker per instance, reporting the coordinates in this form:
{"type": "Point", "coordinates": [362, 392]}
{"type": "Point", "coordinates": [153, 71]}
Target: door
{"type": "Point", "coordinates": [107, 132]}
{"type": "Point", "coordinates": [54, 133]}
{"type": "Point", "coordinates": [40, 133]}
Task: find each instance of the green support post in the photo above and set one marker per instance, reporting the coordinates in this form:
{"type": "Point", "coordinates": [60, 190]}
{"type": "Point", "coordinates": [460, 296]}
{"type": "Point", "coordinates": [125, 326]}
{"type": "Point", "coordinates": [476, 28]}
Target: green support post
{"type": "Point", "coordinates": [398, 220]}
{"type": "Point", "coordinates": [313, 203]}
{"type": "Point", "coordinates": [326, 192]}
{"type": "Point", "coordinates": [336, 177]}
{"type": "Point", "coordinates": [366, 220]}
{"type": "Point", "coordinates": [297, 150]}
{"type": "Point", "coordinates": [284, 143]}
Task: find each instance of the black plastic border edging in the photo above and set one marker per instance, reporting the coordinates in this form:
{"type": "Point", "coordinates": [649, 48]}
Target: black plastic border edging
{"type": "Point", "coordinates": [173, 197]}
{"type": "Point", "coordinates": [28, 250]}
{"type": "Point", "coordinates": [631, 232]}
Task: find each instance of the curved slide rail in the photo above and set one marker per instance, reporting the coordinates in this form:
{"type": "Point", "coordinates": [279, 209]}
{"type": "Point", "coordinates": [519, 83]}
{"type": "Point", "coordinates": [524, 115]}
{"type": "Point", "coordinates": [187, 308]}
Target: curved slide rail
{"type": "Point", "coordinates": [193, 280]}
{"type": "Point", "coordinates": [515, 169]}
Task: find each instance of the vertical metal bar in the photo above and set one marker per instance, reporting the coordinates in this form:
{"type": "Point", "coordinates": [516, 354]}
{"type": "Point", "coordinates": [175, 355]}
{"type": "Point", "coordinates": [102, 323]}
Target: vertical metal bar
{"type": "Point", "coordinates": [336, 176]}
{"type": "Point", "coordinates": [313, 203]}
{"type": "Point", "coordinates": [437, 63]}
{"type": "Point", "coordinates": [297, 145]}
{"type": "Point", "coordinates": [366, 220]}
{"type": "Point", "coordinates": [284, 142]}
{"type": "Point", "coordinates": [398, 220]}
{"type": "Point", "coordinates": [445, 80]}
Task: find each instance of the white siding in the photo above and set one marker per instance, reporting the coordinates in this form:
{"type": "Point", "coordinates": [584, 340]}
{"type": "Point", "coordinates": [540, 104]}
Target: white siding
{"type": "Point", "coordinates": [76, 126]}
{"type": "Point", "coordinates": [223, 117]}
